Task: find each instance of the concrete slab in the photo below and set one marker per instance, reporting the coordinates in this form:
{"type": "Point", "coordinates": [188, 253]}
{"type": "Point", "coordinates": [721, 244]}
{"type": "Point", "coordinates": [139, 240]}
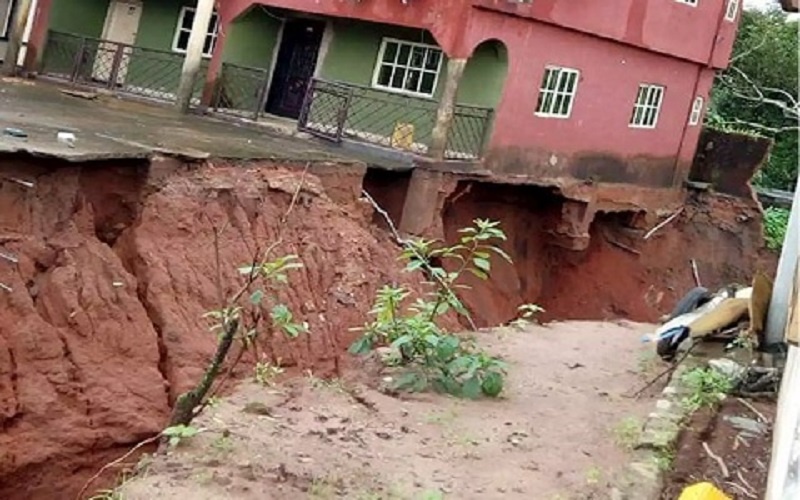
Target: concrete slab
{"type": "Point", "coordinates": [107, 127]}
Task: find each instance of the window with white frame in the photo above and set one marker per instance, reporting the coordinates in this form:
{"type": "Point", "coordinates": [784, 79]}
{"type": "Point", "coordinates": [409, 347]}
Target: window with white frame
{"type": "Point", "coordinates": [557, 93]}
{"type": "Point", "coordinates": [647, 106]}
{"type": "Point", "coordinates": [693, 3]}
{"type": "Point", "coordinates": [407, 67]}
{"type": "Point", "coordinates": [5, 17]}
{"type": "Point", "coordinates": [731, 10]}
{"type": "Point", "coordinates": [697, 111]}
{"type": "Point", "coordinates": [184, 29]}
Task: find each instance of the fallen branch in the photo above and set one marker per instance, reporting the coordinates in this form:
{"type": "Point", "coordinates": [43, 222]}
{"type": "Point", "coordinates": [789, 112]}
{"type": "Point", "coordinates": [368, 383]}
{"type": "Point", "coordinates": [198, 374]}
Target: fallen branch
{"type": "Point", "coordinates": [725, 473]}
{"type": "Point", "coordinates": [668, 371]}
{"type": "Point", "coordinates": [753, 409]}
{"type": "Point", "coordinates": [121, 459]}
{"type": "Point", "coordinates": [663, 223]}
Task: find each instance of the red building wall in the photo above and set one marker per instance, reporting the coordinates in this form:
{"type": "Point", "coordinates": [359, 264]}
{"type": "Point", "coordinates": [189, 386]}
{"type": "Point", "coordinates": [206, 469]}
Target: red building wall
{"type": "Point", "coordinates": [595, 142]}
{"type": "Point", "coordinates": [664, 26]}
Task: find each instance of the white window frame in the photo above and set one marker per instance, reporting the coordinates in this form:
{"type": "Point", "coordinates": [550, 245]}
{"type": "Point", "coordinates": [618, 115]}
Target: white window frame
{"type": "Point", "coordinates": [380, 63]}
{"type": "Point", "coordinates": [214, 34]}
{"type": "Point", "coordinates": [643, 102]}
{"type": "Point", "coordinates": [697, 110]}
{"type": "Point", "coordinates": [560, 73]}
{"type": "Point", "coordinates": [7, 24]}
{"type": "Point", "coordinates": [732, 10]}
{"type": "Point", "coordinates": [690, 3]}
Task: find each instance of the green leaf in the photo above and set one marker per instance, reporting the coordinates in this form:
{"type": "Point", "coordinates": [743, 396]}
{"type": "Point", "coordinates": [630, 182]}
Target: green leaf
{"type": "Point", "coordinates": [480, 274]}
{"type": "Point", "coordinates": [492, 384]}
{"type": "Point", "coordinates": [482, 264]}
{"type": "Point", "coordinates": [447, 347]}
{"type": "Point", "coordinates": [410, 381]}
{"type": "Point", "coordinates": [401, 341]}
{"type": "Point", "coordinates": [361, 346]}
{"type": "Point", "coordinates": [501, 253]}
{"type": "Point", "coordinates": [256, 297]}
{"type": "Point", "coordinates": [471, 388]}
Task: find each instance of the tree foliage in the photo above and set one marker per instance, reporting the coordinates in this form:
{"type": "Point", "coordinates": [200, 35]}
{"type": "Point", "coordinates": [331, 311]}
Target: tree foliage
{"type": "Point", "coordinates": [759, 92]}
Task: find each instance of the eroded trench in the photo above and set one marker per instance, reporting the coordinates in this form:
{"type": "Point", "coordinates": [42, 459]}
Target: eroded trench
{"type": "Point", "coordinates": [116, 262]}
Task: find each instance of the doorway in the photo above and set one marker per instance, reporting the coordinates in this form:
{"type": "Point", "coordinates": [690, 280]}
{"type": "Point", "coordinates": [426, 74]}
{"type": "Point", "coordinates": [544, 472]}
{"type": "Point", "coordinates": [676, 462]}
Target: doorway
{"type": "Point", "coordinates": [294, 67]}
{"type": "Point", "coordinates": [121, 26]}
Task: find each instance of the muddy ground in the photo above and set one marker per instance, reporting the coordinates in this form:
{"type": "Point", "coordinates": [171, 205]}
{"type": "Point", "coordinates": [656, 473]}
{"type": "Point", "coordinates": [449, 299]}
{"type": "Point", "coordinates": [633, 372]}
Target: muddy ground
{"type": "Point", "coordinates": [560, 431]}
{"type": "Point", "coordinates": [744, 452]}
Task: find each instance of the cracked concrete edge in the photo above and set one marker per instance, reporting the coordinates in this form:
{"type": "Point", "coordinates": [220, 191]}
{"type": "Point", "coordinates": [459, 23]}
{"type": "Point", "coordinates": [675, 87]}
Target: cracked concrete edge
{"type": "Point", "coordinates": [643, 477]}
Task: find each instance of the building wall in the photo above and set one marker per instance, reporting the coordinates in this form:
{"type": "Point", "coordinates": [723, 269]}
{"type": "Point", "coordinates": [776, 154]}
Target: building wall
{"type": "Point", "coordinates": [353, 55]}
{"type": "Point", "coordinates": [252, 39]}
{"type": "Point", "coordinates": [665, 26]}
{"type": "Point", "coordinates": [595, 142]}
{"type": "Point", "coordinates": [443, 18]}
{"type": "Point", "coordinates": [81, 17]}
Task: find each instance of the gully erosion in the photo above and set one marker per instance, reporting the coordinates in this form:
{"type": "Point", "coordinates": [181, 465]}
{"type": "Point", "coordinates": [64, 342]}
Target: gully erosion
{"type": "Point", "coordinates": [108, 267]}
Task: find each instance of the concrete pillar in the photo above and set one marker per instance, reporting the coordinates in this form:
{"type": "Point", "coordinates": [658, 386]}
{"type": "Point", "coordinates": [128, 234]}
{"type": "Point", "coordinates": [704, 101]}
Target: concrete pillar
{"type": "Point", "coordinates": [194, 53]}
{"type": "Point", "coordinates": [38, 36]}
{"type": "Point", "coordinates": [444, 115]}
{"type": "Point", "coordinates": [21, 10]}
{"type": "Point", "coordinates": [784, 278]}
{"type": "Point", "coordinates": [422, 202]}
{"type": "Point", "coordinates": [215, 65]}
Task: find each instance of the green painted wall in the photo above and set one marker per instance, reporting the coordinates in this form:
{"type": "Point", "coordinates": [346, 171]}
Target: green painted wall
{"type": "Point", "coordinates": [351, 58]}
{"type": "Point", "coordinates": [82, 17]}
{"type": "Point", "coordinates": [252, 40]}
{"type": "Point", "coordinates": [153, 64]}
{"type": "Point", "coordinates": [250, 44]}
{"type": "Point", "coordinates": [484, 76]}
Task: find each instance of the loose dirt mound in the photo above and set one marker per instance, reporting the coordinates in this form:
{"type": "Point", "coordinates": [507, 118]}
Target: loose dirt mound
{"type": "Point", "coordinates": [116, 267]}
{"type": "Point", "coordinates": [559, 431]}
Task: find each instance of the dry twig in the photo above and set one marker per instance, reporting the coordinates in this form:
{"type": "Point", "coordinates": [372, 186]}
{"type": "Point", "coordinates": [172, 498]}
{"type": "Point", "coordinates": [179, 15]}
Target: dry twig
{"type": "Point", "coordinates": [695, 273]}
{"type": "Point", "coordinates": [663, 223]}
{"type": "Point", "coordinates": [754, 410]}
{"type": "Point", "coordinates": [725, 473]}
{"type": "Point", "coordinates": [668, 371]}
{"type": "Point", "coordinates": [121, 459]}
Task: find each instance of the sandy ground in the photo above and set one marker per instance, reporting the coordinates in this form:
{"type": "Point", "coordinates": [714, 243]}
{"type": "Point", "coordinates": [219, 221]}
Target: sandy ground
{"type": "Point", "coordinates": [559, 432]}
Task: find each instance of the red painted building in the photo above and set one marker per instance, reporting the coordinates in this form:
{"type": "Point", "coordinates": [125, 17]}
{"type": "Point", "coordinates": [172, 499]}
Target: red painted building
{"type": "Point", "coordinates": [609, 91]}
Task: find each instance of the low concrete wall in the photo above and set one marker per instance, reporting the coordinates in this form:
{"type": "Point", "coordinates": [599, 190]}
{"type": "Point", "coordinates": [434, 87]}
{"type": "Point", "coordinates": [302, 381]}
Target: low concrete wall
{"type": "Point", "coordinates": [728, 161]}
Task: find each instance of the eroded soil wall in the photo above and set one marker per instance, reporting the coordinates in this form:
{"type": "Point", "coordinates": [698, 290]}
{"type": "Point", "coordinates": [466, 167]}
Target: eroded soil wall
{"type": "Point", "coordinates": [620, 275]}
{"type": "Point", "coordinates": [103, 326]}
{"type": "Point", "coordinates": [117, 265]}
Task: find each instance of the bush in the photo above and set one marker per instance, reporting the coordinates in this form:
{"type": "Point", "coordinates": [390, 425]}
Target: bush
{"type": "Point", "coordinates": [433, 358]}
{"type": "Point", "coordinates": [776, 222]}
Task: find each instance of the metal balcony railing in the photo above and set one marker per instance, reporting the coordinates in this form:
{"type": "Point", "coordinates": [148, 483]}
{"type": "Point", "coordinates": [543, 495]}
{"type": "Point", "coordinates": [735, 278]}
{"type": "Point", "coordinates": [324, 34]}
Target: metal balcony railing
{"type": "Point", "coordinates": [337, 110]}
{"type": "Point", "coordinates": [130, 69]}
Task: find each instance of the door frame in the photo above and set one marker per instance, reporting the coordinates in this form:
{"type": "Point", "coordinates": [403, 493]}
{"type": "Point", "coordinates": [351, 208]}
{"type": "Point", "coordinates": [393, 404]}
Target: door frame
{"type": "Point", "coordinates": [324, 46]}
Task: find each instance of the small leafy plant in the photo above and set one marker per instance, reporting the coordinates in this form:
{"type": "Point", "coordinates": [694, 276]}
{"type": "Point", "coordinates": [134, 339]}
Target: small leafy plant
{"type": "Point", "coordinates": [177, 433]}
{"type": "Point", "coordinates": [628, 432]}
{"type": "Point", "coordinates": [434, 358]}
{"type": "Point", "coordinates": [526, 314]}
{"type": "Point", "coordinates": [266, 373]}
{"type": "Point", "coordinates": [707, 388]}
{"type": "Point", "coordinates": [241, 319]}
{"type": "Point", "coordinates": [776, 221]}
